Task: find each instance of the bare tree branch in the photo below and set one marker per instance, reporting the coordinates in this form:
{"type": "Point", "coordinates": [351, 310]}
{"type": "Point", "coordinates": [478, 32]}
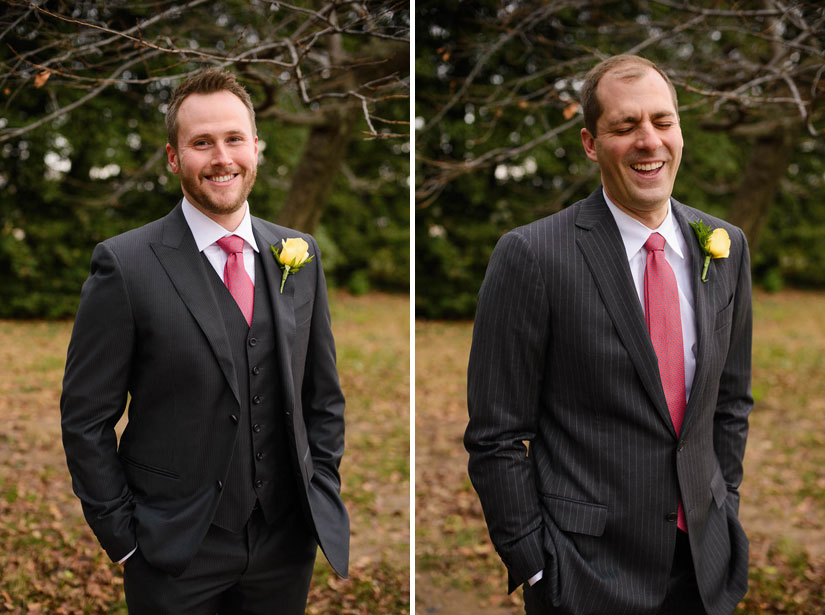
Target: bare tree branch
{"type": "Point", "coordinates": [533, 18]}
{"type": "Point", "coordinates": [16, 132]}
{"type": "Point", "coordinates": [685, 6]}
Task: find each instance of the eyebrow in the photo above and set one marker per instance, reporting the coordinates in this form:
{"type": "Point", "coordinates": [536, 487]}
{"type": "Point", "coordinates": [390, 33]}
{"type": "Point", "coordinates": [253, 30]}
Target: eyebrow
{"type": "Point", "coordinates": [209, 135]}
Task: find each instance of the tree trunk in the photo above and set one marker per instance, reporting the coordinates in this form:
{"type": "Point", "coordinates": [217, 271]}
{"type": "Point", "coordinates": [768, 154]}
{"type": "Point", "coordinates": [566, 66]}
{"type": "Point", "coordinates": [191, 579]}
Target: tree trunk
{"type": "Point", "coordinates": [766, 166]}
{"type": "Point", "coordinates": [326, 147]}
{"type": "Point", "coordinates": [324, 152]}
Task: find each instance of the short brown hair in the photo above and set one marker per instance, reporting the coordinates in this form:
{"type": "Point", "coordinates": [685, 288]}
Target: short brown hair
{"type": "Point", "coordinates": [208, 82]}
{"type": "Point", "coordinates": [632, 67]}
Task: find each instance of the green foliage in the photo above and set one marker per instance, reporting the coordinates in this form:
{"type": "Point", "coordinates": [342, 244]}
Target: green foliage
{"type": "Point", "coordinates": [524, 86]}
{"type": "Point", "coordinates": [792, 247]}
{"type": "Point", "coordinates": [369, 221]}
{"type": "Point", "coordinates": [101, 169]}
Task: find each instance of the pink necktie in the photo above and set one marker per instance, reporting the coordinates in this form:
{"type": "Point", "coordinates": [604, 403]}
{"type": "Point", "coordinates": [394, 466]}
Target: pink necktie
{"type": "Point", "coordinates": [235, 276]}
{"type": "Point", "coordinates": [664, 323]}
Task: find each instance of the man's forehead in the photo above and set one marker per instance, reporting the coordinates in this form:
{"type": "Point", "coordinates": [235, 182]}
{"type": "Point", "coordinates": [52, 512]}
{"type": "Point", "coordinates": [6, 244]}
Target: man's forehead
{"type": "Point", "coordinates": [621, 95]}
{"type": "Point", "coordinates": [214, 111]}
{"type": "Point", "coordinates": [211, 103]}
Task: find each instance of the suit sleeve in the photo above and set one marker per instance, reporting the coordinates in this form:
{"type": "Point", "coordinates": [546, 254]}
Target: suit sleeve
{"type": "Point", "coordinates": [735, 402]}
{"type": "Point", "coordinates": [322, 398]}
{"type": "Point", "coordinates": [95, 387]}
{"type": "Point", "coordinates": [504, 380]}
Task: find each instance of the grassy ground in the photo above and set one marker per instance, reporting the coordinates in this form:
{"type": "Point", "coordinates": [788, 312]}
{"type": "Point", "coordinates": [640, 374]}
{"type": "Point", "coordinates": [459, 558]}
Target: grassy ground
{"type": "Point", "coordinates": [783, 495]}
{"type": "Point", "coordinates": [49, 559]}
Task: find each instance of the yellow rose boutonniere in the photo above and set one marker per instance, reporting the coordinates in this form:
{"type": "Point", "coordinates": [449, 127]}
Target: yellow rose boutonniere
{"type": "Point", "coordinates": [293, 255]}
{"type": "Point", "coordinates": [715, 243]}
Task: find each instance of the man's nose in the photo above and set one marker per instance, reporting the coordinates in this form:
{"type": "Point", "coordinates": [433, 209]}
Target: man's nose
{"type": "Point", "coordinates": [220, 156]}
{"type": "Point", "coordinates": [647, 137]}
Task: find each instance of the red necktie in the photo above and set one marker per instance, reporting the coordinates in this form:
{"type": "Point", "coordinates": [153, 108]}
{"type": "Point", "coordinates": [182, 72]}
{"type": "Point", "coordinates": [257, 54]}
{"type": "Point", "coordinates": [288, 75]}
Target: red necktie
{"type": "Point", "coordinates": [235, 276]}
{"type": "Point", "coordinates": [664, 323]}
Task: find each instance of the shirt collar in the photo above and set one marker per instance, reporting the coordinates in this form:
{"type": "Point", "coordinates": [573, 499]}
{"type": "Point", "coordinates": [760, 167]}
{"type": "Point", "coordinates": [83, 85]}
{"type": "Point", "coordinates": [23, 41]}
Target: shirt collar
{"type": "Point", "coordinates": [206, 231]}
{"type": "Point", "coordinates": [635, 234]}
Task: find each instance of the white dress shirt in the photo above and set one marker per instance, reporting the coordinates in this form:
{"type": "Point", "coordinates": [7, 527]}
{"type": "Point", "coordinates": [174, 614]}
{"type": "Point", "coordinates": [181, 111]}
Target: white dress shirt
{"type": "Point", "coordinates": [634, 235]}
{"type": "Point", "coordinates": [206, 232]}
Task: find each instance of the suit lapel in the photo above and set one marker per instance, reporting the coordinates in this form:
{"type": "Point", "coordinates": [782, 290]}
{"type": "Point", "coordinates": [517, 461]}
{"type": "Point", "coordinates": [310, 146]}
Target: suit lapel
{"type": "Point", "coordinates": [283, 309]}
{"type": "Point", "coordinates": [702, 305]}
{"type": "Point", "coordinates": [603, 250]}
{"type": "Point", "coordinates": [179, 256]}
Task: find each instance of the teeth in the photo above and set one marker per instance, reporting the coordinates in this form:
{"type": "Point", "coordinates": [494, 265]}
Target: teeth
{"type": "Point", "coordinates": [651, 166]}
{"type": "Point", "coordinates": [221, 178]}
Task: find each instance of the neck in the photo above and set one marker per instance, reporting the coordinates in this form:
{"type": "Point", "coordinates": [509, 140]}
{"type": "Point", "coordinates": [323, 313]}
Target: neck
{"type": "Point", "coordinates": [651, 218]}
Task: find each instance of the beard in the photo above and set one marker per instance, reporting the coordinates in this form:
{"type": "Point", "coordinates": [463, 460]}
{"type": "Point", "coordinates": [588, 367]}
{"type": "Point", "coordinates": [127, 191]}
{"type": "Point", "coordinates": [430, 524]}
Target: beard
{"type": "Point", "coordinates": [223, 204]}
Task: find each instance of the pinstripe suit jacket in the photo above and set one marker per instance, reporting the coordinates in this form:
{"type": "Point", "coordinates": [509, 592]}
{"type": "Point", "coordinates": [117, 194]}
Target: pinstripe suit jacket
{"type": "Point", "coordinates": [561, 358]}
{"type": "Point", "coordinates": [149, 326]}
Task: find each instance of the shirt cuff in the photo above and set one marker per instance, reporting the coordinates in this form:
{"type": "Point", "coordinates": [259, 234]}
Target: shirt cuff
{"type": "Point", "coordinates": [531, 581]}
{"type": "Point", "coordinates": [132, 552]}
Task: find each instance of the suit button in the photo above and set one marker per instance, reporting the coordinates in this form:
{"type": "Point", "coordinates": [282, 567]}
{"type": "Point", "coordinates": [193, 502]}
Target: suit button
{"type": "Point", "coordinates": [257, 399]}
{"type": "Point", "coordinates": [681, 446]}
{"type": "Point", "coordinates": [259, 483]}
{"type": "Point", "coordinates": [253, 341]}
{"type": "Point", "coordinates": [259, 456]}
{"type": "Point", "coordinates": [288, 413]}
{"type": "Point", "coordinates": [220, 485]}
{"type": "Point", "coordinates": [256, 370]}
{"type": "Point", "coordinates": [671, 517]}
{"type": "Point", "coordinates": [256, 428]}
{"type": "Point", "coordinates": [234, 419]}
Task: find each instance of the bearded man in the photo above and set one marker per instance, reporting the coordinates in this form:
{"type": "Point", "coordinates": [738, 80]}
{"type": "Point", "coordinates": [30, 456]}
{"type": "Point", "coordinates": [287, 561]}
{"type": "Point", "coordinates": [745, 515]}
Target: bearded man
{"type": "Point", "coordinates": [225, 480]}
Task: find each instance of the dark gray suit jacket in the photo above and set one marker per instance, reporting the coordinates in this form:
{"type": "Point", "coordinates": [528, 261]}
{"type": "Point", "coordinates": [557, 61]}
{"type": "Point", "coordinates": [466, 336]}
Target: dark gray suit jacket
{"type": "Point", "coordinates": [561, 358]}
{"type": "Point", "coordinates": [149, 328]}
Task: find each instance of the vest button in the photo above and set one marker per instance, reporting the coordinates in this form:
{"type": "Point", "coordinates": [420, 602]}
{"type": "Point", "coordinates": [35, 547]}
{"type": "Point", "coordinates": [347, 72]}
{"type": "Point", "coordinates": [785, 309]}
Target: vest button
{"type": "Point", "coordinates": [256, 428]}
{"type": "Point", "coordinates": [253, 341]}
{"type": "Point", "coordinates": [259, 456]}
{"type": "Point", "coordinates": [257, 399]}
{"type": "Point", "coordinates": [256, 370]}
{"type": "Point", "coordinates": [259, 483]}
{"type": "Point", "coordinates": [671, 517]}
{"type": "Point", "coordinates": [234, 419]}
{"type": "Point", "coordinates": [220, 485]}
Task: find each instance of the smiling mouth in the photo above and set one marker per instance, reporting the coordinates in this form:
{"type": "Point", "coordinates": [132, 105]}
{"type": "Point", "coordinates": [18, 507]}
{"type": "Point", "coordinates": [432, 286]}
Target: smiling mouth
{"type": "Point", "coordinates": [647, 168]}
{"type": "Point", "coordinates": [221, 179]}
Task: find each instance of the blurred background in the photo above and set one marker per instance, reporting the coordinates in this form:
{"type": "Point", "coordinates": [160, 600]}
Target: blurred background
{"type": "Point", "coordinates": [497, 145]}
{"type": "Point", "coordinates": [84, 87]}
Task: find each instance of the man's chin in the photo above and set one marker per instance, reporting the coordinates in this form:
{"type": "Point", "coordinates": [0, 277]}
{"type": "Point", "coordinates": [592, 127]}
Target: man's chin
{"type": "Point", "coordinates": [211, 206]}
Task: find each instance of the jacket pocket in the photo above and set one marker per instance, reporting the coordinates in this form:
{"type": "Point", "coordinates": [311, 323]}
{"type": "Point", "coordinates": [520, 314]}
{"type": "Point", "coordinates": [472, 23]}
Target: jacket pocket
{"type": "Point", "coordinates": [718, 487]}
{"type": "Point", "coordinates": [723, 317]}
{"type": "Point", "coordinates": [147, 468]}
{"type": "Point", "coordinates": [576, 516]}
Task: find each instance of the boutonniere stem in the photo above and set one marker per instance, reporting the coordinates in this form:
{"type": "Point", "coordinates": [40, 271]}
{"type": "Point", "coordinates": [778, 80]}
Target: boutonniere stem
{"type": "Point", "coordinates": [715, 243]}
{"type": "Point", "coordinates": [293, 255]}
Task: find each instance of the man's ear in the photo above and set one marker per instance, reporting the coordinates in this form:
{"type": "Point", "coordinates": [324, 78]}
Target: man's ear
{"type": "Point", "coordinates": [172, 157]}
{"type": "Point", "coordinates": [589, 144]}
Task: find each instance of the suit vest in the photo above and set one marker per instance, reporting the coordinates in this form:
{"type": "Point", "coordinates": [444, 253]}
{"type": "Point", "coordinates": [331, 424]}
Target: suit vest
{"type": "Point", "coordinates": [260, 468]}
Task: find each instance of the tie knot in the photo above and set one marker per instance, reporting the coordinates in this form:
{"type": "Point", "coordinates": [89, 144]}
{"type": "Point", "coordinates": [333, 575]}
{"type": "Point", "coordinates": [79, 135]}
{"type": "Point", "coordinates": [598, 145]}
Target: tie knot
{"type": "Point", "coordinates": [655, 243]}
{"type": "Point", "coordinates": [231, 244]}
